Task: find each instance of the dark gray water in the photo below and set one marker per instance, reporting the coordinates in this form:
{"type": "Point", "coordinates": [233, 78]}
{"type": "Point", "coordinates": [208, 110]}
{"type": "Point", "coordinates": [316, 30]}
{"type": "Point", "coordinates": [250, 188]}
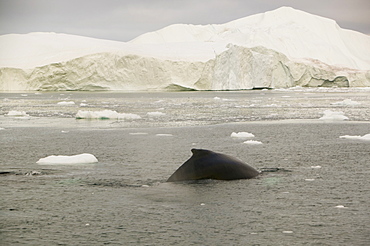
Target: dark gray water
{"type": "Point", "coordinates": [124, 199]}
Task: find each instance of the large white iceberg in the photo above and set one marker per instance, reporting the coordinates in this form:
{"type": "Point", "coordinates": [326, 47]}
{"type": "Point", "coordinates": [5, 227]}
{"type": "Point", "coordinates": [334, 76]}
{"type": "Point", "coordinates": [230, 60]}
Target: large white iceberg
{"type": "Point", "coordinates": [68, 160]}
{"type": "Point", "coordinates": [276, 49]}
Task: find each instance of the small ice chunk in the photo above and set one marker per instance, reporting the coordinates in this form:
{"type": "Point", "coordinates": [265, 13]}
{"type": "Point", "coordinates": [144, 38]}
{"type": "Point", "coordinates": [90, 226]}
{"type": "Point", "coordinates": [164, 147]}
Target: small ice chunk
{"type": "Point", "coordinates": [315, 167]}
{"type": "Point", "coordinates": [287, 232]}
{"type": "Point", "coordinates": [155, 114]}
{"type": "Point", "coordinates": [202, 204]}
{"type": "Point", "coordinates": [333, 115]}
{"type": "Point", "coordinates": [67, 160]}
{"type": "Point", "coordinates": [163, 135]}
{"type": "Point", "coordinates": [138, 133]}
{"type": "Point", "coordinates": [340, 206]}
{"type": "Point", "coordinates": [83, 105]}
{"type": "Point", "coordinates": [2, 128]}
{"type": "Point", "coordinates": [252, 142]}
{"type": "Point", "coordinates": [309, 179]}
{"type": "Point", "coordinates": [346, 102]}
{"type": "Point", "coordinates": [272, 105]}
{"type": "Point", "coordinates": [64, 103]}
{"type": "Point", "coordinates": [105, 114]}
{"type": "Point", "coordinates": [364, 137]}
{"type": "Point", "coordinates": [241, 135]}
{"type": "Point", "coordinates": [217, 98]}
{"type": "Point", "coordinates": [16, 113]}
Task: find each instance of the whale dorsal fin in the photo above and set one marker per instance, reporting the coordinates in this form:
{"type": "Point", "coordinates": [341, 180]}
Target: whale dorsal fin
{"type": "Point", "coordinates": [201, 152]}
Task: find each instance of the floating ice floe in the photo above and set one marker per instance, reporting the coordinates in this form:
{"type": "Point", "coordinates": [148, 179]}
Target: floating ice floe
{"type": "Point", "coordinates": [315, 167]}
{"type": "Point", "coordinates": [68, 160]}
{"type": "Point", "coordinates": [252, 142]}
{"type": "Point", "coordinates": [346, 102]}
{"type": "Point", "coordinates": [15, 113]}
{"type": "Point", "coordinates": [105, 114]}
{"type": "Point", "coordinates": [364, 137]}
{"type": "Point", "coordinates": [64, 103]}
{"type": "Point", "coordinates": [155, 114]}
{"type": "Point", "coordinates": [221, 99]}
{"type": "Point", "coordinates": [241, 135]}
{"type": "Point", "coordinates": [340, 206]}
{"type": "Point", "coordinates": [138, 133]}
{"type": "Point", "coordinates": [333, 115]}
{"type": "Point", "coordinates": [163, 135]}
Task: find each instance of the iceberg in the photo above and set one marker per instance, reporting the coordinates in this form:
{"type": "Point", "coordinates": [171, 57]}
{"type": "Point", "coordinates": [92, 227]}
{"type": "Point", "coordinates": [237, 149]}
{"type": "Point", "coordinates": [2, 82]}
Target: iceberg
{"type": "Point", "coordinates": [241, 135]}
{"type": "Point", "coordinates": [252, 142]}
{"type": "Point", "coordinates": [365, 137]}
{"type": "Point", "coordinates": [67, 160]}
{"type": "Point", "coordinates": [277, 49]}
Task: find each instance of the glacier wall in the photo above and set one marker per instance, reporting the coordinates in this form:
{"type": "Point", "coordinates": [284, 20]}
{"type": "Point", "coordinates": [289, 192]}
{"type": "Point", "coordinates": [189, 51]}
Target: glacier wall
{"type": "Point", "coordinates": [236, 68]}
{"type": "Point", "coordinates": [280, 48]}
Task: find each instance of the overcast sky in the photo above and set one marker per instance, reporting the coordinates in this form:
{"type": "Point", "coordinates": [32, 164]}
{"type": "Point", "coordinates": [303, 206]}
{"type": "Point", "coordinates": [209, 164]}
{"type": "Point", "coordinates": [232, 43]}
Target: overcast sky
{"type": "Point", "coordinates": [124, 20]}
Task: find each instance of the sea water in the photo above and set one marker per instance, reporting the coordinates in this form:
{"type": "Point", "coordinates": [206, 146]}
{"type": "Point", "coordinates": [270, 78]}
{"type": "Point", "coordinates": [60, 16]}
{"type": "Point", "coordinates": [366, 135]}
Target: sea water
{"type": "Point", "coordinates": [320, 196]}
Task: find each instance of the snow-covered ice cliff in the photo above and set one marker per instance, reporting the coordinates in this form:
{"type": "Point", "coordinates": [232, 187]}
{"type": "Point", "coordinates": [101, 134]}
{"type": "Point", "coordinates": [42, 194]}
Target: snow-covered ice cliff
{"type": "Point", "coordinates": [280, 48]}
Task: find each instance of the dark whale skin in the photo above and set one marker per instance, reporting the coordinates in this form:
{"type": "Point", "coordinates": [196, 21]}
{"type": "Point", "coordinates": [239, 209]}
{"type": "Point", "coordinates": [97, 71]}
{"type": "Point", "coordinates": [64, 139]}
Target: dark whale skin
{"type": "Point", "coordinates": [206, 164]}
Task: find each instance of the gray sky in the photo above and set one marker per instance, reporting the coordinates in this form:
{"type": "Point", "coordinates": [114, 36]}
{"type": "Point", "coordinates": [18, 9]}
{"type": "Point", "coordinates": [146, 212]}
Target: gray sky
{"type": "Point", "coordinates": [124, 20]}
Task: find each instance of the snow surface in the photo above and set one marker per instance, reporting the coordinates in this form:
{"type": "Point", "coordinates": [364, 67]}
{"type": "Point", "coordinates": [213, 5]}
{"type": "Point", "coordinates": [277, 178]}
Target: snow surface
{"type": "Point", "coordinates": [277, 49]}
{"type": "Point", "coordinates": [67, 160]}
{"type": "Point", "coordinates": [365, 137]}
{"type": "Point", "coordinates": [105, 114]}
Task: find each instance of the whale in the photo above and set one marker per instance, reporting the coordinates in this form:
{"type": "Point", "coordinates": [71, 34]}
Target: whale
{"type": "Point", "coordinates": [206, 164]}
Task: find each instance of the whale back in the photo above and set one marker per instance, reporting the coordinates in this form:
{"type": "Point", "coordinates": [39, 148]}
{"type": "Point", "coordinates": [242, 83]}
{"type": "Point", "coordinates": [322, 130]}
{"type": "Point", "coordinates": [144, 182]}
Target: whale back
{"type": "Point", "coordinates": [206, 164]}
